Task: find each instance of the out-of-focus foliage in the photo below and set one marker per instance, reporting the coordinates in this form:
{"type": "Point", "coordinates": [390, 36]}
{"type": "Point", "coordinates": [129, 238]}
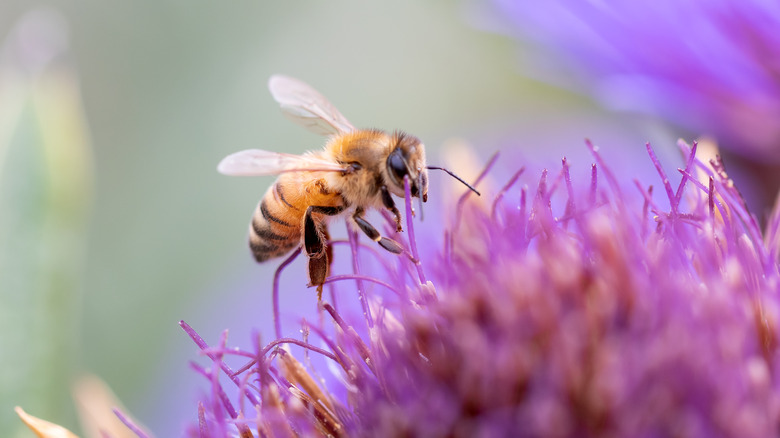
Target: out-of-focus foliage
{"type": "Point", "coordinates": [45, 186]}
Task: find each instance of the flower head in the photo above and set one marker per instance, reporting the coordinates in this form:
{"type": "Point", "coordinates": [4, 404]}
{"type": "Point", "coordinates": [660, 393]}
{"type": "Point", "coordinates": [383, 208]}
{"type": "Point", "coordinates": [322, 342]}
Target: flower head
{"type": "Point", "coordinates": [562, 310]}
{"type": "Point", "coordinates": [710, 67]}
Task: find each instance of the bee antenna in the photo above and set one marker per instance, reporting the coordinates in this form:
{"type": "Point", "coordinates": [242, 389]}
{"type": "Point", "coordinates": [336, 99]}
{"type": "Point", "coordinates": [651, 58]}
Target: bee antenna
{"type": "Point", "coordinates": [456, 177]}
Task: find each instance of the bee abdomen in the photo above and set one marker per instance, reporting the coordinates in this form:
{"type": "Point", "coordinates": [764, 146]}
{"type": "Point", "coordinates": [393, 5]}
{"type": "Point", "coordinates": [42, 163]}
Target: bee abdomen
{"type": "Point", "coordinates": [271, 236]}
{"type": "Point", "coordinates": [268, 216]}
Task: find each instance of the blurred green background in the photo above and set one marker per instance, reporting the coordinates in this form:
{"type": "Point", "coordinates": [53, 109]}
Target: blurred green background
{"type": "Point", "coordinates": [115, 222]}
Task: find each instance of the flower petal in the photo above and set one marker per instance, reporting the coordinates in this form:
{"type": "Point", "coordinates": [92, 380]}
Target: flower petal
{"type": "Point", "coordinates": [43, 428]}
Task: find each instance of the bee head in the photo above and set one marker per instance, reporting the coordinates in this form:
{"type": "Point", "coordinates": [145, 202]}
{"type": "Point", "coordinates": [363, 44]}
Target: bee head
{"type": "Point", "coordinates": [407, 158]}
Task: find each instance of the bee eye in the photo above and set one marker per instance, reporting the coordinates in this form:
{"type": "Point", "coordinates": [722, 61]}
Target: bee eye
{"type": "Point", "coordinates": [397, 166]}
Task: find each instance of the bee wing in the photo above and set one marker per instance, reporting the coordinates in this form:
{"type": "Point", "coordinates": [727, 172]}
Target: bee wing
{"type": "Point", "coordinates": [307, 107]}
{"type": "Point", "coordinates": [257, 162]}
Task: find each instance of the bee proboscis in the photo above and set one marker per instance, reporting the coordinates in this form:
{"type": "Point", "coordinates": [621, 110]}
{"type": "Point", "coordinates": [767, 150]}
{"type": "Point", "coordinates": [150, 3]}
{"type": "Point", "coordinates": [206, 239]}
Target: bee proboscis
{"type": "Point", "coordinates": [358, 169]}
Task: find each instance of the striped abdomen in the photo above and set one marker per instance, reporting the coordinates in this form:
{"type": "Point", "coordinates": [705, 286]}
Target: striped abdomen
{"type": "Point", "coordinates": [276, 226]}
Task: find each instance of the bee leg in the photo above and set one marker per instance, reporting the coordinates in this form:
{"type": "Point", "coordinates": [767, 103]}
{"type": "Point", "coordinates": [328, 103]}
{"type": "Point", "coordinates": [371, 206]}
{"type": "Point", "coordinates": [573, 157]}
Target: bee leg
{"type": "Point", "coordinates": [389, 204]}
{"type": "Point", "coordinates": [372, 233]}
{"type": "Point", "coordinates": [314, 264]}
{"type": "Point", "coordinates": [329, 248]}
{"type": "Point", "coordinates": [314, 238]}
{"type": "Point", "coordinates": [318, 272]}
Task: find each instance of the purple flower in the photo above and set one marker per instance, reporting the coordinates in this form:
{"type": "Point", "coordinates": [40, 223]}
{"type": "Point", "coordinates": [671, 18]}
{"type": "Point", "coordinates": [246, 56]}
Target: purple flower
{"type": "Point", "coordinates": [575, 308]}
{"type": "Point", "coordinates": [711, 67]}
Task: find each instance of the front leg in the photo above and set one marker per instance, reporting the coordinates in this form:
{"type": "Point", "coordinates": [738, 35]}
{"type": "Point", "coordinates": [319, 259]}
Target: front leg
{"type": "Point", "coordinates": [314, 238]}
{"type": "Point", "coordinates": [372, 233]}
{"type": "Point", "coordinates": [389, 204]}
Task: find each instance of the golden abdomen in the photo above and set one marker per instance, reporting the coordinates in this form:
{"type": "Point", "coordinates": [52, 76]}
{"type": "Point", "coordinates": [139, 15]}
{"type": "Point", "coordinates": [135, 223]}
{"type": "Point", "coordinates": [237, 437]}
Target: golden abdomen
{"type": "Point", "coordinates": [277, 222]}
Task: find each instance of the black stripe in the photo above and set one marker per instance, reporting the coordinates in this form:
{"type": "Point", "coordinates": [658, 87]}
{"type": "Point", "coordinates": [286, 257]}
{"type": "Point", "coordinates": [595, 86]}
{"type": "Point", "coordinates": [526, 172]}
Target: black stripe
{"type": "Point", "coordinates": [267, 214]}
{"type": "Point", "coordinates": [260, 251]}
{"type": "Point", "coordinates": [264, 252]}
{"type": "Point", "coordinates": [265, 232]}
{"type": "Point", "coordinates": [281, 197]}
{"type": "Point", "coordinates": [327, 211]}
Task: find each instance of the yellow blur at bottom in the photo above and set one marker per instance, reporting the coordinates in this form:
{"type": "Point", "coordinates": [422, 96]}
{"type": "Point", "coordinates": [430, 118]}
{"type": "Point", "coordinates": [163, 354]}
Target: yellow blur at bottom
{"type": "Point", "coordinates": [96, 405]}
{"type": "Point", "coordinates": [43, 428]}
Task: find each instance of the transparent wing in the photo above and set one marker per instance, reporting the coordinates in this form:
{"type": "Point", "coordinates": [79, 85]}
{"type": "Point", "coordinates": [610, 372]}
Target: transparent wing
{"type": "Point", "coordinates": [256, 162]}
{"type": "Point", "coordinates": [307, 107]}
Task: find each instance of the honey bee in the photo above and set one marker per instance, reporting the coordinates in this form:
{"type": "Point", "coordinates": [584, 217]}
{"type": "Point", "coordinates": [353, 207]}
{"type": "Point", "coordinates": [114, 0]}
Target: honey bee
{"type": "Point", "coordinates": [358, 169]}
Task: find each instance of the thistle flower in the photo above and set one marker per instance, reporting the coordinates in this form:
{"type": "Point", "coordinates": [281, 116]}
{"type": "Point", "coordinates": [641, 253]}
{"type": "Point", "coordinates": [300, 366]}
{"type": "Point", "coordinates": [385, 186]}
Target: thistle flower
{"type": "Point", "coordinates": [710, 67]}
{"type": "Point", "coordinates": [592, 309]}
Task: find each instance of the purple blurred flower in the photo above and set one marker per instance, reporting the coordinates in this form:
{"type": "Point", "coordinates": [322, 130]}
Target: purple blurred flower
{"type": "Point", "coordinates": [575, 309]}
{"type": "Point", "coordinates": [711, 67]}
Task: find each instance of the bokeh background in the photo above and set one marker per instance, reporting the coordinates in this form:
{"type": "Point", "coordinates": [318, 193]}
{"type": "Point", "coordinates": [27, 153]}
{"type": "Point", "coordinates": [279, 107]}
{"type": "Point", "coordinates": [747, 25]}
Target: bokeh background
{"type": "Point", "coordinates": [113, 116]}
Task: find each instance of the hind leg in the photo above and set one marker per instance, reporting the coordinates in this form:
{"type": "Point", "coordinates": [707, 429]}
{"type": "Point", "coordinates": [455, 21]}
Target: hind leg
{"type": "Point", "coordinates": [314, 242]}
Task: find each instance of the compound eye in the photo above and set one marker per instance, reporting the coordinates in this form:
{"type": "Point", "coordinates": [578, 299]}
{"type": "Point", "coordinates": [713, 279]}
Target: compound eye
{"type": "Point", "coordinates": [397, 166]}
